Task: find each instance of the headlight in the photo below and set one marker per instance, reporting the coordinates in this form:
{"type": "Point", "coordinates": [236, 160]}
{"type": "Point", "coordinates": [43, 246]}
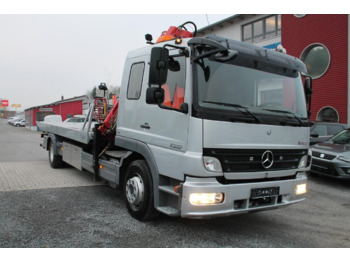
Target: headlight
{"type": "Point", "coordinates": [200, 199]}
{"type": "Point", "coordinates": [212, 164]}
{"type": "Point", "coordinates": [344, 158]}
{"type": "Point", "coordinates": [300, 189]}
{"type": "Point", "coordinates": [305, 161]}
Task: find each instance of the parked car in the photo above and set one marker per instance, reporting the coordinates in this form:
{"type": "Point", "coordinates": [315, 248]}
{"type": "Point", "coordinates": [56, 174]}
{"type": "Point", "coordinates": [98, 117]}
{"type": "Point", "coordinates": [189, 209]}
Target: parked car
{"type": "Point", "coordinates": [20, 122]}
{"type": "Point", "coordinates": [332, 157]}
{"type": "Point", "coordinates": [53, 118]}
{"type": "Point", "coordinates": [75, 120]}
{"type": "Point", "coordinates": [12, 119]}
{"type": "Point", "coordinates": [322, 131]}
{"type": "Point", "coordinates": [15, 120]}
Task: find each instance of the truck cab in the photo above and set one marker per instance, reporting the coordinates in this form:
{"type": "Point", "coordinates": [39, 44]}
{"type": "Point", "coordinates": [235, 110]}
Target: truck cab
{"type": "Point", "coordinates": [220, 126]}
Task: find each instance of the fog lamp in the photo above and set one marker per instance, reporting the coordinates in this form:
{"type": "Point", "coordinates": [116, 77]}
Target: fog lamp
{"type": "Point", "coordinates": [300, 189]}
{"type": "Point", "coordinates": [201, 199]}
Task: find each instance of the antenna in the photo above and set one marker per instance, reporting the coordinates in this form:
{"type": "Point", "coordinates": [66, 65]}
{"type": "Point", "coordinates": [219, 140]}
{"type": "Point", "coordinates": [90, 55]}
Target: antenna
{"type": "Point", "coordinates": [206, 15]}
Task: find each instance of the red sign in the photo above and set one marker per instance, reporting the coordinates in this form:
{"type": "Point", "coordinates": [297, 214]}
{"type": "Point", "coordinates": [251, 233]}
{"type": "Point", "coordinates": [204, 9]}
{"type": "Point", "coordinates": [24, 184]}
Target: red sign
{"type": "Point", "coordinates": [4, 102]}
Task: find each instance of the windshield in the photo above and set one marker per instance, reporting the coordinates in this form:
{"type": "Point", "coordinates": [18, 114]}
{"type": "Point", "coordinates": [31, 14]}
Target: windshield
{"type": "Point", "coordinates": [342, 138]}
{"type": "Point", "coordinates": [248, 95]}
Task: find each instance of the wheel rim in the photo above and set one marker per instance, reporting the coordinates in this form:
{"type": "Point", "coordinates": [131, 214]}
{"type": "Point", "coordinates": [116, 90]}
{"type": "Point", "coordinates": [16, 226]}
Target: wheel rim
{"type": "Point", "coordinates": [135, 190]}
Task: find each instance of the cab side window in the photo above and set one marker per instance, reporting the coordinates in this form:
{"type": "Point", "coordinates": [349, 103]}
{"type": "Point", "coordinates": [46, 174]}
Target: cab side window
{"type": "Point", "coordinates": [135, 81]}
{"type": "Point", "coordinates": [174, 88]}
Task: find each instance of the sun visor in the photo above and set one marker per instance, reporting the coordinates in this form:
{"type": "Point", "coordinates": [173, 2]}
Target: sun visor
{"type": "Point", "coordinates": [260, 58]}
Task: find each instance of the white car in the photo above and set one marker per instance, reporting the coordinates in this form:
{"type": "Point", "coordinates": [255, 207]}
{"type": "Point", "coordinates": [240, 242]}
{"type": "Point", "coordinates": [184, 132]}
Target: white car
{"type": "Point", "coordinates": [14, 118]}
{"type": "Point", "coordinates": [75, 119]}
{"type": "Point", "coordinates": [19, 122]}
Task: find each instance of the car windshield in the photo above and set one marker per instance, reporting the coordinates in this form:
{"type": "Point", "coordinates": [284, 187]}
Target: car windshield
{"type": "Point", "coordinates": [247, 91]}
{"type": "Point", "coordinates": [341, 138]}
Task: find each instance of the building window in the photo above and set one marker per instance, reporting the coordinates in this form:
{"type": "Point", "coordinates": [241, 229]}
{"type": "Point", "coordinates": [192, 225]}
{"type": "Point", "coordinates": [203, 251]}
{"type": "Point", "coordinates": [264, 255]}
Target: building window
{"type": "Point", "coordinates": [328, 114]}
{"type": "Point", "coordinates": [317, 59]}
{"type": "Point", "coordinates": [299, 16]}
{"type": "Point", "coordinates": [261, 29]}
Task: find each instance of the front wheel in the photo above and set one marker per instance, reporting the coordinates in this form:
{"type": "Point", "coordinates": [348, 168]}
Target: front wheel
{"type": "Point", "coordinates": [138, 191]}
{"type": "Point", "coordinates": [55, 160]}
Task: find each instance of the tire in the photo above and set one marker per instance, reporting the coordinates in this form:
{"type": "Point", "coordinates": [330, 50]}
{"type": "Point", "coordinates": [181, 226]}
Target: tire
{"type": "Point", "coordinates": [17, 125]}
{"type": "Point", "coordinates": [138, 191]}
{"type": "Point", "coordinates": [55, 160]}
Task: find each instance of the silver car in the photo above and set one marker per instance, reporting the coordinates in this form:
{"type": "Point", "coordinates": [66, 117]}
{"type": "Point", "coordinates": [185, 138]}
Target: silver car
{"type": "Point", "coordinates": [332, 157]}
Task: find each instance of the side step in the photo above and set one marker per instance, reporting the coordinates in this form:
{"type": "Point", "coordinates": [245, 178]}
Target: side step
{"type": "Point", "coordinates": [169, 190]}
{"type": "Point", "coordinates": [170, 211]}
{"type": "Point", "coordinates": [169, 200]}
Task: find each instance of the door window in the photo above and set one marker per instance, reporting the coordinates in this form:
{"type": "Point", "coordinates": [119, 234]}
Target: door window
{"type": "Point", "coordinates": [174, 88]}
{"type": "Point", "coordinates": [135, 81]}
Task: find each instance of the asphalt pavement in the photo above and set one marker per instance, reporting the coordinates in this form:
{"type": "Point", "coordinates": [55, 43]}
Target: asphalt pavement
{"type": "Point", "coordinates": [43, 207]}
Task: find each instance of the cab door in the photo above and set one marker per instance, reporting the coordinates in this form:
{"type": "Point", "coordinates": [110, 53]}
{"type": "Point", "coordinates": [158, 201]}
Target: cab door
{"type": "Point", "coordinates": [160, 126]}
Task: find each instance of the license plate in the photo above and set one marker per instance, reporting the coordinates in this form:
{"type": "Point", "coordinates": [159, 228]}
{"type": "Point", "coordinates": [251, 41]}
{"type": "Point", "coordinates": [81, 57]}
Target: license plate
{"type": "Point", "coordinates": [264, 192]}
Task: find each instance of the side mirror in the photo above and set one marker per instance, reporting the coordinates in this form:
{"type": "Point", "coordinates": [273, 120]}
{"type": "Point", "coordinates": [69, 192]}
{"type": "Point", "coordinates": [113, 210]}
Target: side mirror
{"type": "Point", "coordinates": [308, 88]}
{"type": "Point", "coordinates": [159, 64]}
{"type": "Point", "coordinates": [154, 95]}
{"type": "Point", "coordinates": [174, 65]}
{"type": "Point", "coordinates": [308, 93]}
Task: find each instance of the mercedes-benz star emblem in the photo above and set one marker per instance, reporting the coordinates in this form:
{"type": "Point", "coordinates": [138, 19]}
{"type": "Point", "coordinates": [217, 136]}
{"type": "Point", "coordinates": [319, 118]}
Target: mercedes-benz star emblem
{"type": "Point", "coordinates": [267, 159]}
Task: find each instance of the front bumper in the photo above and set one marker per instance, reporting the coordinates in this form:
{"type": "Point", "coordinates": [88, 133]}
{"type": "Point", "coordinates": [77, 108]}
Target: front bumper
{"type": "Point", "coordinates": [238, 196]}
{"type": "Point", "coordinates": [332, 168]}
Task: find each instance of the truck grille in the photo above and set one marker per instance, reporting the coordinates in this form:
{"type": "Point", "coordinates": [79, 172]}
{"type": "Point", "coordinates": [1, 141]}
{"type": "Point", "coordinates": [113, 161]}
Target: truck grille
{"type": "Point", "coordinates": [250, 160]}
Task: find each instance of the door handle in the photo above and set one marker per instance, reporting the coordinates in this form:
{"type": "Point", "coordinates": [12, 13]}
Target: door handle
{"type": "Point", "coordinates": [145, 126]}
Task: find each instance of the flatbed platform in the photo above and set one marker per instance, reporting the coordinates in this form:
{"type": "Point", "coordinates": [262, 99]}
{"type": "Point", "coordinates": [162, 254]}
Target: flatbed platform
{"type": "Point", "coordinates": [77, 131]}
{"type": "Point", "coordinates": [74, 131]}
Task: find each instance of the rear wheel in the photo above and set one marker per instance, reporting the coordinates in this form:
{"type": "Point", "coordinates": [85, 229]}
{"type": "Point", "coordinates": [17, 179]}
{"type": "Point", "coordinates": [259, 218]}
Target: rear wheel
{"type": "Point", "coordinates": [138, 191]}
{"type": "Point", "coordinates": [55, 160]}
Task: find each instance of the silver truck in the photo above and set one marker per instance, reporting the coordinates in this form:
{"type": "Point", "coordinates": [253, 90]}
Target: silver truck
{"type": "Point", "coordinates": [205, 127]}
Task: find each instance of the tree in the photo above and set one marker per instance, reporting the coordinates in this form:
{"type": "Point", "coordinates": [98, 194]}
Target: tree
{"type": "Point", "coordinates": [92, 93]}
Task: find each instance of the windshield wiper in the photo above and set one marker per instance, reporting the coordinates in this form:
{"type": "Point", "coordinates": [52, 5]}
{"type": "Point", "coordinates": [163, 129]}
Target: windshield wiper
{"type": "Point", "coordinates": [257, 119]}
{"type": "Point", "coordinates": [285, 112]}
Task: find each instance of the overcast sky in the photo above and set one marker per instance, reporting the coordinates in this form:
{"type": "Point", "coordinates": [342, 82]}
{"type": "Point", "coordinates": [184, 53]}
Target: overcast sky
{"type": "Point", "coordinates": [66, 47]}
{"type": "Point", "coordinates": [43, 57]}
